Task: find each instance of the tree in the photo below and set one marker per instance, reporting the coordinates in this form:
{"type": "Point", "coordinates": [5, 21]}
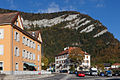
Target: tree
{"type": "Point", "coordinates": [44, 62]}
{"type": "Point", "coordinates": [76, 56]}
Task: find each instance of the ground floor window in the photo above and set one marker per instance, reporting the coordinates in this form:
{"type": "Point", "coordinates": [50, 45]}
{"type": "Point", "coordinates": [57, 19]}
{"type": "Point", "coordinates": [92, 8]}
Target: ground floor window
{"type": "Point", "coordinates": [16, 66]}
{"type": "Point", "coordinates": [1, 66]}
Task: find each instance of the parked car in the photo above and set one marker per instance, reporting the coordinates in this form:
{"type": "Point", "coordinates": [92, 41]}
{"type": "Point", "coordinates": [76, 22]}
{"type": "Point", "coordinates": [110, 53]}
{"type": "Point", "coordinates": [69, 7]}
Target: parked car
{"type": "Point", "coordinates": [87, 72]}
{"type": "Point", "coordinates": [117, 73]}
{"type": "Point", "coordinates": [102, 74]}
{"type": "Point", "coordinates": [81, 74]}
{"type": "Point", "coordinates": [93, 72]}
{"type": "Point", "coordinates": [108, 73]}
{"type": "Point", "coordinates": [71, 72]}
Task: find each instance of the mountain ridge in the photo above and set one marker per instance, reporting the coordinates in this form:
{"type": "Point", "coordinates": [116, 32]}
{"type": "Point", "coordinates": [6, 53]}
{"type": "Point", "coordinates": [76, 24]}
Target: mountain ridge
{"type": "Point", "coordinates": [70, 28]}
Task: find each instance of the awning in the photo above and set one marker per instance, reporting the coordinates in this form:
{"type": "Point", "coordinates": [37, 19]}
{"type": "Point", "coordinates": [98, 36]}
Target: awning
{"type": "Point", "coordinates": [30, 64]}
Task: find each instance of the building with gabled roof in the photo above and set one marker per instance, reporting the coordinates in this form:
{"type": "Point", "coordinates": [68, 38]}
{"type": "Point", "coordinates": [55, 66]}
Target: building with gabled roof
{"type": "Point", "coordinates": [62, 63]}
{"type": "Point", "coordinates": [19, 49]}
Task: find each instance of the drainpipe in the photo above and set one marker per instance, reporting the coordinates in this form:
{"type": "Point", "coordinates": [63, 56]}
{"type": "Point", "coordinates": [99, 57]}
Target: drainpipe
{"type": "Point", "coordinates": [12, 50]}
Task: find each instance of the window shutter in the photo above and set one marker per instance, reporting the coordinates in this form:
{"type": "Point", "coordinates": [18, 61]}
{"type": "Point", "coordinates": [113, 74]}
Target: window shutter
{"type": "Point", "coordinates": [15, 35]}
{"type": "Point", "coordinates": [23, 53]}
{"type": "Point", "coordinates": [18, 52]}
{"type": "Point", "coordinates": [23, 39]}
{"type": "Point", "coordinates": [18, 37]}
{"type": "Point", "coordinates": [34, 45]}
{"type": "Point", "coordinates": [31, 44]}
{"type": "Point", "coordinates": [38, 58]}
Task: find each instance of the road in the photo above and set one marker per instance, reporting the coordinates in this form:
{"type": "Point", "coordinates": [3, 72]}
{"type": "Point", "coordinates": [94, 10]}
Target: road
{"type": "Point", "coordinates": [74, 77]}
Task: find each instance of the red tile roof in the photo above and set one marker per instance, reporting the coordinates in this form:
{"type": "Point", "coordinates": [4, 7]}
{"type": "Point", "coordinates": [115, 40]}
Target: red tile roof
{"type": "Point", "coordinates": [116, 64]}
{"type": "Point", "coordinates": [68, 51]}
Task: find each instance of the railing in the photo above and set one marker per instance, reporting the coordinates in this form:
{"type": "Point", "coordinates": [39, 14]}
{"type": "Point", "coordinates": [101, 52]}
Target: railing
{"type": "Point", "coordinates": [25, 72]}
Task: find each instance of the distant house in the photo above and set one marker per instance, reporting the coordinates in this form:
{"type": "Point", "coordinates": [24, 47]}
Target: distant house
{"type": "Point", "coordinates": [62, 64]}
{"type": "Point", "coordinates": [116, 65]}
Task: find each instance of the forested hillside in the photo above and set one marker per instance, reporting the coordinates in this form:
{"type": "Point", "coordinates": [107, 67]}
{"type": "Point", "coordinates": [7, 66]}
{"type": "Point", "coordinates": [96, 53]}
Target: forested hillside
{"type": "Point", "coordinates": [70, 28]}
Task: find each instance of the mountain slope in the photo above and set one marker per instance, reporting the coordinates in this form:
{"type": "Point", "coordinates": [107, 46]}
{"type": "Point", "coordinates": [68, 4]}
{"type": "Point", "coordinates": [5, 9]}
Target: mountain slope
{"type": "Point", "coordinates": [70, 28]}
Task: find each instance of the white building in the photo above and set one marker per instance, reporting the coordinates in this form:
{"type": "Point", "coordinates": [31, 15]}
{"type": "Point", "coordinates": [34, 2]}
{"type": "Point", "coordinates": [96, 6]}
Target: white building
{"type": "Point", "coordinates": [61, 61]}
{"type": "Point", "coordinates": [116, 65]}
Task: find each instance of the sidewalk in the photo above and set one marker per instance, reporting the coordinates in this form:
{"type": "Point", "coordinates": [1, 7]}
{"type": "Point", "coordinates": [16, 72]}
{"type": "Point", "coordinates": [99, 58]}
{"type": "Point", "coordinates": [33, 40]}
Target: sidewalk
{"type": "Point", "coordinates": [24, 77]}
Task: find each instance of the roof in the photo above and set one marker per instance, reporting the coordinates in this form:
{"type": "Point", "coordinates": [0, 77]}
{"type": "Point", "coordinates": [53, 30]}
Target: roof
{"type": "Point", "coordinates": [36, 33]}
{"type": "Point", "coordinates": [116, 64]}
{"type": "Point", "coordinates": [8, 18]}
{"type": "Point", "coordinates": [67, 51]}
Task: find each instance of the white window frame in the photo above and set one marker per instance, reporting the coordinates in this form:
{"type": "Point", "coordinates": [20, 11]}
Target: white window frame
{"type": "Point", "coordinates": [33, 56]}
{"type": "Point", "coordinates": [1, 49]}
{"type": "Point", "coordinates": [38, 47]}
{"type": "Point", "coordinates": [23, 40]}
{"type": "Point", "coordinates": [16, 67]}
{"type": "Point", "coordinates": [23, 53]}
{"type": "Point", "coordinates": [16, 51]}
{"type": "Point", "coordinates": [16, 36]}
{"type": "Point", "coordinates": [28, 42]}
{"type": "Point", "coordinates": [1, 33]}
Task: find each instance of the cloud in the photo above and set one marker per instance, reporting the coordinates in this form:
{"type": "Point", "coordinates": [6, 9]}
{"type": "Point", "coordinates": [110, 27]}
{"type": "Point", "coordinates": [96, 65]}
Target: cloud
{"type": "Point", "coordinates": [100, 5]}
{"type": "Point", "coordinates": [53, 7]}
{"type": "Point", "coordinates": [12, 4]}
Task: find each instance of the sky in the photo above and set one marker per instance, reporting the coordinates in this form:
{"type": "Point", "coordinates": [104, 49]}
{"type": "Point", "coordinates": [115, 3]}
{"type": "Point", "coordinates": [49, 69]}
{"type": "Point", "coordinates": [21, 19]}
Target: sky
{"type": "Point", "coordinates": [106, 11]}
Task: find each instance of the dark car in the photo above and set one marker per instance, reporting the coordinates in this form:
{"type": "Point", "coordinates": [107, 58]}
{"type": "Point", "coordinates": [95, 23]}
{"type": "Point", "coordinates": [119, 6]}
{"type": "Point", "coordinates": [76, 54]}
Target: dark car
{"type": "Point", "coordinates": [117, 73]}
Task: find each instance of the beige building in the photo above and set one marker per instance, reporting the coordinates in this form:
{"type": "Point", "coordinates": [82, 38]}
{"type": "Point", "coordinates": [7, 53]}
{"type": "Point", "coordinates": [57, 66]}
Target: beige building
{"type": "Point", "coordinates": [19, 50]}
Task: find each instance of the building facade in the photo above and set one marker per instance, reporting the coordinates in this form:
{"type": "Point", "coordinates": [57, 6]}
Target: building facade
{"type": "Point", "coordinates": [19, 50]}
{"type": "Point", "coordinates": [115, 65]}
{"type": "Point", "coordinates": [62, 64]}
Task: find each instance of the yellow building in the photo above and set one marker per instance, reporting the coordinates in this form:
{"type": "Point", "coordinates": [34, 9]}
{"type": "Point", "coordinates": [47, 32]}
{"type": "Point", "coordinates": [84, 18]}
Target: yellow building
{"type": "Point", "coordinates": [19, 50]}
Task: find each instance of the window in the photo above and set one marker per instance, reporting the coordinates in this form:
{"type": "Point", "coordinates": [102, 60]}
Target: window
{"type": "Point", "coordinates": [1, 33]}
{"type": "Point", "coordinates": [16, 66]}
{"type": "Point", "coordinates": [27, 55]}
{"type": "Point", "coordinates": [16, 51]}
{"type": "Point", "coordinates": [23, 40]}
{"type": "Point", "coordinates": [87, 61]}
{"type": "Point", "coordinates": [1, 66]}
{"type": "Point", "coordinates": [23, 53]}
{"type": "Point", "coordinates": [87, 57]}
{"type": "Point", "coordinates": [16, 36]}
{"type": "Point", "coordinates": [28, 42]}
{"type": "Point", "coordinates": [38, 48]}
{"type": "Point", "coordinates": [16, 23]}
{"type": "Point", "coordinates": [38, 57]}
{"type": "Point", "coordinates": [33, 56]}
{"type": "Point", "coordinates": [31, 44]}
{"type": "Point", "coordinates": [1, 49]}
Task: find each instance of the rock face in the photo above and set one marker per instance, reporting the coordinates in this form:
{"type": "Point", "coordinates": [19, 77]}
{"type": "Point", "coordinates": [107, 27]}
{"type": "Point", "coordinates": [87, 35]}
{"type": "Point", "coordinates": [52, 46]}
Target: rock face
{"type": "Point", "coordinates": [70, 28]}
{"type": "Point", "coordinates": [75, 21]}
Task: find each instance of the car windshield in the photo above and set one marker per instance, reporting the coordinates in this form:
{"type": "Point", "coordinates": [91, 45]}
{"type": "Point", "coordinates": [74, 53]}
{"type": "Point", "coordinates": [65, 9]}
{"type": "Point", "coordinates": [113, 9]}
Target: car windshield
{"type": "Point", "coordinates": [94, 71]}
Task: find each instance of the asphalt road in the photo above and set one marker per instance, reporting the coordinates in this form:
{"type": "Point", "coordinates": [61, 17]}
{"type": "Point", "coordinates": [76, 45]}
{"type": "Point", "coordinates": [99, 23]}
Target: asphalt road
{"type": "Point", "coordinates": [74, 77]}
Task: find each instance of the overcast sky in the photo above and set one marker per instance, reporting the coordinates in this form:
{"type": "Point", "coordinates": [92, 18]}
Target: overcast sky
{"type": "Point", "coordinates": [106, 11]}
